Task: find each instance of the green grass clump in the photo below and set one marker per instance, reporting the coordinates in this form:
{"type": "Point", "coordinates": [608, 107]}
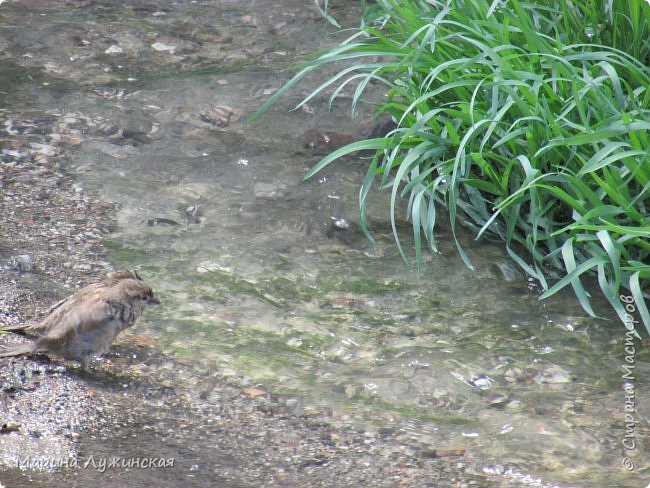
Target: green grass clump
{"type": "Point", "coordinates": [526, 121]}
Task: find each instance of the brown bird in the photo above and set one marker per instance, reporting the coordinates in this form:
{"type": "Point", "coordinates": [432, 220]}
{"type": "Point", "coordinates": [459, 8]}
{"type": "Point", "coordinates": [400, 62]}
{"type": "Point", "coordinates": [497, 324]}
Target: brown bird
{"type": "Point", "coordinates": [86, 323]}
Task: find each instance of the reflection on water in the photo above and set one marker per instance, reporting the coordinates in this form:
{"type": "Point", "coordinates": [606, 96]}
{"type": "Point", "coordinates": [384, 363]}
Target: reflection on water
{"type": "Point", "coordinates": [259, 276]}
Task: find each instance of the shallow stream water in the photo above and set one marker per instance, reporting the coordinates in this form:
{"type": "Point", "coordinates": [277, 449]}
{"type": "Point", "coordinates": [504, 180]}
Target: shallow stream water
{"type": "Point", "coordinates": [258, 270]}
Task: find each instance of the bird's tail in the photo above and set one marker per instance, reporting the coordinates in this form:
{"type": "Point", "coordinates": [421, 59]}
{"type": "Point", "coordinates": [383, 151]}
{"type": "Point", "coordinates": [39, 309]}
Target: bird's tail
{"type": "Point", "coordinates": [13, 328]}
{"type": "Point", "coordinates": [17, 350]}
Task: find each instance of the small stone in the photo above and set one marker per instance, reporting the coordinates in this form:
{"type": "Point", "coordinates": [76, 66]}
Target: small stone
{"type": "Point", "coordinates": [21, 263]}
{"type": "Point", "coordinates": [114, 50]}
{"type": "Point", "coordinates": [162, 47]}
{"type": "Point", "coordinates": [265, 190]}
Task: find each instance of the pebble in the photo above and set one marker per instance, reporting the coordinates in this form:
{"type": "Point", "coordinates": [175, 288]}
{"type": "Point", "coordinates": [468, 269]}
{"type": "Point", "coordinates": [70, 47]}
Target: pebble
{"type": "Point", "coordinates": [162, 47]}
{"type": "Point", "coordinates": [114, 50]}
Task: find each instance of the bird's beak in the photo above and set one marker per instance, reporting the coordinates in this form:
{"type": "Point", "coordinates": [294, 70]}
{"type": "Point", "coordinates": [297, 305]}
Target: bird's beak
{"type": "Point", "coordinates": [154, 301]}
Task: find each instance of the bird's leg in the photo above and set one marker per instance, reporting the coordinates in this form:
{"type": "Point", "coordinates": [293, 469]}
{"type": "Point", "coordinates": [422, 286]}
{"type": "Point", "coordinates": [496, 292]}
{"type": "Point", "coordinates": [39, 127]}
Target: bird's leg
{"type": "Point", "coordinates": [84, 364]}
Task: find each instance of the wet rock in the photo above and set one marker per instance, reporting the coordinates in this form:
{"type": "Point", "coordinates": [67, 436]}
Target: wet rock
{"type": "Point", "coordinates": [162, 47]}
{"type": "Point", "coordinates": [161, 221]}
{"type": "Point", "coordinates": [382, 127]}
{"type": "Point", "coordinates": [217, 116]}
{"type": "Point", "coordinates": [114, 49]}
{"type": "Point", "coordinates": [137, 122]}
{"type": "Point", "coordinates": [267, 190]}
{"type": "Point", "coordinates": [507, 271]}
{"type": "Point", "coordinates": [553, 374]}
{"type": "Point", "coordinates": [193, 214]}
{"type": "Point", "coordinates": [340, 226]}
{"type": "Point", "coordinates": [21, 263]}
{"type": "Point", "coordinates": [324, 141]}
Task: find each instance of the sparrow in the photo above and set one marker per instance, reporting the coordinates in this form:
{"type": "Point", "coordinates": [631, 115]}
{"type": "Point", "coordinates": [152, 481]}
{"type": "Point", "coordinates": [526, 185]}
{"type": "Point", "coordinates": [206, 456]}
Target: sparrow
{"type": "Point", "coordinates": [86, 323]}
